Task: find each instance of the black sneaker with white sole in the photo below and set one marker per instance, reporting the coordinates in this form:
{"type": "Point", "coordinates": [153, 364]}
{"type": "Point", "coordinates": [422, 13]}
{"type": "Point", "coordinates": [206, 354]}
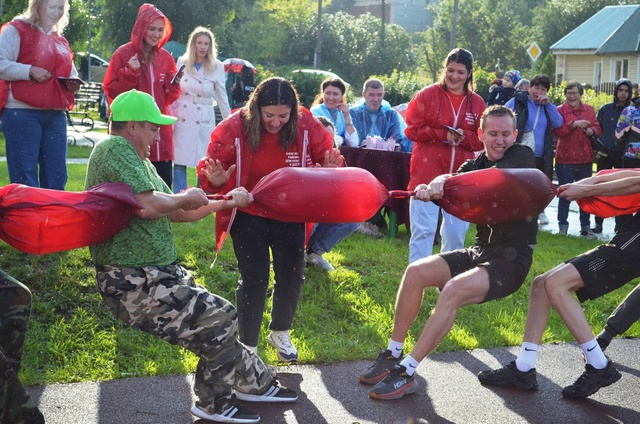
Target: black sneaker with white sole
{"type": "Point", "coordinates": [510, 375]}
{"type": "Point", "coordinates": [591, 381]}
{"type": "Point", "coordinates": [234, 414]}
{"type": "Point", "coordinates": [275, 393]}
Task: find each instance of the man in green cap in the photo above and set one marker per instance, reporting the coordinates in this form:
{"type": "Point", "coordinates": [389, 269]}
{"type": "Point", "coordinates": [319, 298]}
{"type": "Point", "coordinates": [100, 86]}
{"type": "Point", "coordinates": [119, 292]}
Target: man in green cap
{"type": "Point", "coordinates": [142, 284]}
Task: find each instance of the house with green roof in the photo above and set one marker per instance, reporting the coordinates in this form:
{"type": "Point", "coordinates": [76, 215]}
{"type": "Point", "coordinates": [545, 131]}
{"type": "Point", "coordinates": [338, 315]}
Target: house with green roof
{"type": "Point", "coordinates": [603, 49]}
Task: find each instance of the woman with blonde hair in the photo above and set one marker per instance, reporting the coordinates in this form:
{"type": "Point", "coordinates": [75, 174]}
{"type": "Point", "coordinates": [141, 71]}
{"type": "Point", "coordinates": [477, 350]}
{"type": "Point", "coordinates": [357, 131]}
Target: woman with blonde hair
{"type": "Point", "coordinates": [203, 84]}
{"type": "Point", "coordinates": [35, 64]}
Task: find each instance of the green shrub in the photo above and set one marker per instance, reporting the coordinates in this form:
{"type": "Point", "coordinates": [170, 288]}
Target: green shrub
{"type": "Point", "coordinates": [590, 97]}
{"type": "Point", "coordinates": [400, 87]}
{"type": "Point", "coordinates": [482, 79]}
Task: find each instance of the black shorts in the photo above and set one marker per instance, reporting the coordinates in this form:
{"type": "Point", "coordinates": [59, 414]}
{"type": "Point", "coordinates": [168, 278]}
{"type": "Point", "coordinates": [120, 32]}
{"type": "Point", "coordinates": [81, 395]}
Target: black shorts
{"type": "Point", "coordinates": [507, 266]}
{"type": "Point", "coordinates": [608, 266]}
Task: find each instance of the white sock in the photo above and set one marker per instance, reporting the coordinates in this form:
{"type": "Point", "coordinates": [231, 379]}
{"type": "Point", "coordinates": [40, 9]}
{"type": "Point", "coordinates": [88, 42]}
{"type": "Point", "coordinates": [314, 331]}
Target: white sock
{"type": "Point", "coordinates": [594, 355]}
{"type": "Point", "coordinates": [527, 358]}
{"type": "Point", "coordinates": [410, 364]}
{"type": "Point", "coordinates": [395, 348]}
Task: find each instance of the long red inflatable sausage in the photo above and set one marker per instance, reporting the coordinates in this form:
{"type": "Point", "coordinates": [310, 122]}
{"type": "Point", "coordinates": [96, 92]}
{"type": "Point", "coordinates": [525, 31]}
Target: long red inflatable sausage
{"type": "Point", "coordinates": [40, 221]}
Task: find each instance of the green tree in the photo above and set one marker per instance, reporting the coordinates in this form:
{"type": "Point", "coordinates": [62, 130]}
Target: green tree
{"type": "Point", "coordinates": [351, 48]}
{"type": "Point", "coordinates": [553, 19]}
{"type": "Point", "coordinates": [117, 17]}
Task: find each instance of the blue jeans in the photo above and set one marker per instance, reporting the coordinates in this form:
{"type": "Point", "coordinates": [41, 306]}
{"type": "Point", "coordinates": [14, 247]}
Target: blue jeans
{"type": "Point", "coordinates": [424, 221]}
{"type": "Point", "coordinates": [36, 147]}
{"type": "Point", "coordinates": [325, 236]}
{"type": "Point", "coordinates": [179, 178]}
{"type": "Point", "coordinates": [568, 174]}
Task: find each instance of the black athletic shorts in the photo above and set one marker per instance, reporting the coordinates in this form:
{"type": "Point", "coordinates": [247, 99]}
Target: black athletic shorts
{"type": "Point", "coordinates": [507, 266]}
{"type": "Point", "coordinates": [608, 266]}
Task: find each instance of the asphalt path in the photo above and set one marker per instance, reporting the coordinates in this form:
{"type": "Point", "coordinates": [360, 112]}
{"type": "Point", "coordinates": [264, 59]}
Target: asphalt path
{"type": "Point", "coordinates": [449, 392]}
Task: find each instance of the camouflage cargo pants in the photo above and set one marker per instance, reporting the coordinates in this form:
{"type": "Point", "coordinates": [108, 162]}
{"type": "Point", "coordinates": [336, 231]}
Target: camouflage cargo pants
{"type": "Point", "coordinates": [16, 406]}
{"type": "Point", "coordinates": [165, 301]}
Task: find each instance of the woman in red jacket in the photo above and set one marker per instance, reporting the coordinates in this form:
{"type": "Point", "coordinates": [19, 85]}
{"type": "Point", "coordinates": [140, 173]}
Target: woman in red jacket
{"type": "Point", "coordinates": [271, 132]}
{"type": "Point", "coordinates": [574, 155]}
{"type": "Point", "coordinates": [144, 65]}
{"type": "Point", "coordinates": [442, 121]}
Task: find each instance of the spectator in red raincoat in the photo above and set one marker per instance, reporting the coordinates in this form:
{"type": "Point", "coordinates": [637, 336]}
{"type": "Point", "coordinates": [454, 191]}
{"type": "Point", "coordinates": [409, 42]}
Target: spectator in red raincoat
{"type": "Point", "coordinates": [144, 65]}
{"type": "Point", "coordinates": [449, 103]}
{"type": "Point", "coordinates": [574, 154]}
{"type": "Point", "coordinates": [271, 132]}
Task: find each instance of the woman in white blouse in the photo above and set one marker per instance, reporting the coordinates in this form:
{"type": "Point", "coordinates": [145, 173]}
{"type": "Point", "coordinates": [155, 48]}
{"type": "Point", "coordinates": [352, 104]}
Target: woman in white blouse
{"type": "Point", "coordinates": [203, 78]}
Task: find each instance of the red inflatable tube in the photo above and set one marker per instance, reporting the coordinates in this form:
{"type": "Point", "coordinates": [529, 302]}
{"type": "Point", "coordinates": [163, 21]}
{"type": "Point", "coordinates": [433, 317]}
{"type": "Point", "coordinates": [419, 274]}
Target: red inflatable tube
{"type": "Point", "coordinates": [40, 221]}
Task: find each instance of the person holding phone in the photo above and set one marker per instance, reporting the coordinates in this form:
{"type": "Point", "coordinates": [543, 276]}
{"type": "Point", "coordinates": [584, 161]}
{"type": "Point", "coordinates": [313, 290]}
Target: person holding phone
{"type": "Point", "coordinates": [203, 84]}
{"type": "Point", "coordinates": [33, 54]}
{"type": "Point", "coordinates": [442, 121]}
{"type": "Point", "coordinates": [144, 65]}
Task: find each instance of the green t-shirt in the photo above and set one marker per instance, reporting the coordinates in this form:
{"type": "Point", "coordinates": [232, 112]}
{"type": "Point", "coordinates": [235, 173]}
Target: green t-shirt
{"type": "Point", "coordinates": [145, 241]}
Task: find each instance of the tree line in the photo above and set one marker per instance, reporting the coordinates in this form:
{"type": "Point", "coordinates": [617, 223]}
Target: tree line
{"type": "Point", "coordinates": [282, 33]}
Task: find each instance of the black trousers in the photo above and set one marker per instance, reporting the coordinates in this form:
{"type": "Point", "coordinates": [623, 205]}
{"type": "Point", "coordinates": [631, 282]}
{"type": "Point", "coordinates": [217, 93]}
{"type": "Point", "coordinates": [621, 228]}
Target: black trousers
{"type": "Point", "coordinates": [253, 237]}
{"type": "Point", "coordinates": [625, 314]}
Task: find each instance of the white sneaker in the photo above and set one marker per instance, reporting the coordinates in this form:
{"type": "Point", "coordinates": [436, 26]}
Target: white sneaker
{"type": "Point", "coordinates": [234, 414]}
{"type": "Point", "coordinates": [318, 260]}
{"type": "Point", "coordinates": [369, 229]}
{"type": "Point", "coordinates": [281, 341]}
{"type": "Point", "coordinates": [542, 219]}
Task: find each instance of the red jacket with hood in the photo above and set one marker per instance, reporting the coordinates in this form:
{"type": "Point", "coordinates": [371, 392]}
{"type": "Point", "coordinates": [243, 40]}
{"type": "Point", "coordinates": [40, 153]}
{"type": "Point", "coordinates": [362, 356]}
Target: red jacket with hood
{"type": "Point", "coordinates": [223, 148]}
{"type": "Point", "coordinates": [574, 145]}
{"type": "Point", "coordinates": [431, 155]}
{"type": "Point", "coordinates": [153, 78]}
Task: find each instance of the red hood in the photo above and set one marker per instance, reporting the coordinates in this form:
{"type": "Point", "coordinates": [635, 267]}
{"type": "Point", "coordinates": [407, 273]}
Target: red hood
{"type": "Point", "coordinates": [147, 14]}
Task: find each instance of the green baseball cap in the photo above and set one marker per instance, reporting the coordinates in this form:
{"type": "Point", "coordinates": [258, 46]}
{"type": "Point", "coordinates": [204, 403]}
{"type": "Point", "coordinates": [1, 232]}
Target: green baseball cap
{"type": "Point", "coordinates": [138, 106]}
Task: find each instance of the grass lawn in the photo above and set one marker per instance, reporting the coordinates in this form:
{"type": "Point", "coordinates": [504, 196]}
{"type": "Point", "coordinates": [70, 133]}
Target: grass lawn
{"type": "Point", "coordinates": [343, 315]}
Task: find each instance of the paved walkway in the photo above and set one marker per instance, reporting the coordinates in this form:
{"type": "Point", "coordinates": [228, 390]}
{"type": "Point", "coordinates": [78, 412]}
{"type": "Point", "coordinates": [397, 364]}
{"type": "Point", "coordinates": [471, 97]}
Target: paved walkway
{"type": "Point", "coordinates": [449, 392]}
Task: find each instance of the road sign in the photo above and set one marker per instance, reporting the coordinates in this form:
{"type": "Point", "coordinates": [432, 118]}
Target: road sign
{"type": "Point", "coordinates": [534, 51]}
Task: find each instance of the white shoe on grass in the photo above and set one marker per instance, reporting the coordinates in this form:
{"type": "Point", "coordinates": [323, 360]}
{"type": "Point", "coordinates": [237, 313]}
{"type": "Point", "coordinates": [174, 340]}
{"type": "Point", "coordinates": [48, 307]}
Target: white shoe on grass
{"type": "Point", "coordinates": [281, 341]}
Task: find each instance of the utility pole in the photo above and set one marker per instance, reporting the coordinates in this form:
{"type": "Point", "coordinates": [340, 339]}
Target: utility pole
{"type": "Point", "coordinates": [89, 43]}
{"type": "Point", "coordinates": [317, 57]}
{"type": "Point", "coordinates": [383, 18]}
{"type": "Point", "coordinates": [454, 25]}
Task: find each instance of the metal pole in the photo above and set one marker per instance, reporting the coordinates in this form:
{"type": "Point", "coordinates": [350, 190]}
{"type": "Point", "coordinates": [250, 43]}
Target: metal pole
{"type": "Point", "coordinates": [383, 18]}
{"type": "Point", "coordinates": [317, 57]}
{"type": "Point", "coordinates": [89, 43]}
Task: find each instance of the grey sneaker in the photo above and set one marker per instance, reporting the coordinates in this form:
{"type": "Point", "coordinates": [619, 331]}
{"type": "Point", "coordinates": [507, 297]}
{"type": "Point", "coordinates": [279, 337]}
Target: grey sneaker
{"type": "Point", "coordinates": [510, 375]}
{"type": "Point", "coordinates": [234, 414]}
{"type": "Point", "coordinates": [281, 341]}
{"type": "Point", "coordinates": [395, 385]}
{"type": "Point", "coordinates": [380, 369]}
{"type": "Point", "coordinates": [318, 260]}
{"type": "Point", "coordinates": [588, 235]}
{"type": "Point", "coordinates": [591, 381]}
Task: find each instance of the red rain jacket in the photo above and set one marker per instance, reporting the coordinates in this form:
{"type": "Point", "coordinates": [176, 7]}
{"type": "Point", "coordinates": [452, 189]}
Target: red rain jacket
{"type": "Point", "coordinates": [431, 156]}
{"type": "Point", "coordinates": [120, 77]}
{"type": "Point", "coordinates": [222, 147]}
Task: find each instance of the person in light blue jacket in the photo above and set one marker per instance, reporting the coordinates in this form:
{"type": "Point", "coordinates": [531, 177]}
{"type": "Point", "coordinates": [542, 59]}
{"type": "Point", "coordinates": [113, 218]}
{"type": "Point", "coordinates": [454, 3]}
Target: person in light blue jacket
{"type": "Point", "coordinates": [375, 116]}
